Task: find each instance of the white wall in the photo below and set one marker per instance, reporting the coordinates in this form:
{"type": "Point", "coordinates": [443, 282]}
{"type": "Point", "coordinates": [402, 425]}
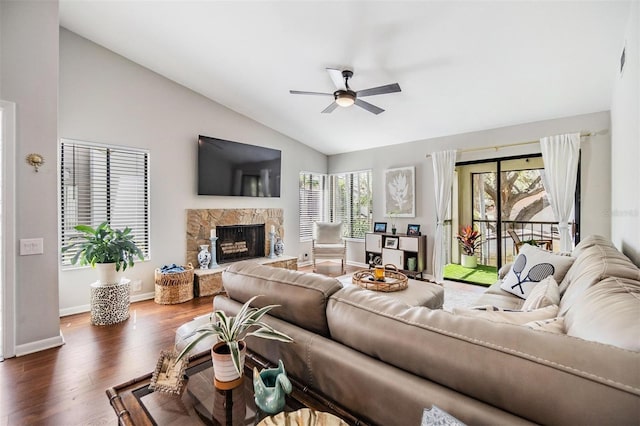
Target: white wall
{"type": "Point", "coordinates": [29, 77]}
{"type": "Point", "coordinates": [108, 99]}
{"type": "Point", "coordinates": [625, 141]}
{"type": "Point", "coordinates": [596, 169]}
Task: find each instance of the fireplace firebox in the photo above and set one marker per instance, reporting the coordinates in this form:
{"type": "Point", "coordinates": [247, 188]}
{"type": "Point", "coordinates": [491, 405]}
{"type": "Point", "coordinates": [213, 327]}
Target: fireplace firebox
{"type": "Point", "coordinates": [239, 242]}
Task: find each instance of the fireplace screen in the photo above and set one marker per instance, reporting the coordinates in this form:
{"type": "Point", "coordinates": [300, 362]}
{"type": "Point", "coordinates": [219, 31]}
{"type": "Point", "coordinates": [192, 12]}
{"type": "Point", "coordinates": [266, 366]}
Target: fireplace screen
{"type": "Point", "coordinates": [239, 242]}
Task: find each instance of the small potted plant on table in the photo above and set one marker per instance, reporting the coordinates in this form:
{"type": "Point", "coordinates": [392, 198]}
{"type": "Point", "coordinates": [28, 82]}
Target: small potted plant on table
{"type": "Point", "coordinates": [229, 352]}
{"type": "Point", "coordinates": [469, 240]}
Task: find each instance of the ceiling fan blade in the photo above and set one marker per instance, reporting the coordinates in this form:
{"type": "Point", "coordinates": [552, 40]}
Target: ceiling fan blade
{"type": "Point", "coordinates": [337, 78]}
{"type": "Point", "coordinates": [389, 88]}
{"type": "Point", "coordinates": [330, 108]}
{"type": "Point", "coordinates": [298, 92]}
{"type": "Point", "coordinates": [369, 107]}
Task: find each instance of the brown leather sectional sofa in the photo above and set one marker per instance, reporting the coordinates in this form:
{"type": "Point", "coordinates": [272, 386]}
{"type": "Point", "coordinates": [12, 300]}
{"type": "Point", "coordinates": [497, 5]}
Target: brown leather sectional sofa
{"type": "Point", "coordinates": [385, 361]}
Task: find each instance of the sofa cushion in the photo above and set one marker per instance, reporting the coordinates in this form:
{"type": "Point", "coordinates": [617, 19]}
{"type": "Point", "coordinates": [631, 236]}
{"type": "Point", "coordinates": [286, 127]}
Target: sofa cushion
{"type": "Point", "coordinates": [510, 317]}
{"type": "Point", "coordinates": [594, 264]}
{"type": "Point", "coordinates": [590, 241]}
{"type": "Point", "coordinates": [491, 361]}
{"type": "Point", "coordinates": [544, 294]}
{"type": "Point", "coordinates": [531, 266]}
{"type": "Point", "coordinates": [302, 296]}
{"type": "Point", "coordinates": [608, 312]}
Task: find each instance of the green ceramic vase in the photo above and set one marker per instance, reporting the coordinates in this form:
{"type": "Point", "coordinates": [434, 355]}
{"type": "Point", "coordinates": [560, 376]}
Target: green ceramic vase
{"type": "Point", "coordinates": [271, 386]}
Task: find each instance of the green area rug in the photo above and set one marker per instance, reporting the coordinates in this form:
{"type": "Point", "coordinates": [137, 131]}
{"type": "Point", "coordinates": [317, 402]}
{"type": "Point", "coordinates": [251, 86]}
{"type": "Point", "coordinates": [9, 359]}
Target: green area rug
{"type": "Point", "coordinates": [482, 274]}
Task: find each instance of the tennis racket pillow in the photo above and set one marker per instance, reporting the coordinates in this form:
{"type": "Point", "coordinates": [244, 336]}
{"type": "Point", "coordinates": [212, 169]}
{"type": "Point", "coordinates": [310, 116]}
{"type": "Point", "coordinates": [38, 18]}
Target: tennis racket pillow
{"type": "Point", "coordinates": [532, 266]}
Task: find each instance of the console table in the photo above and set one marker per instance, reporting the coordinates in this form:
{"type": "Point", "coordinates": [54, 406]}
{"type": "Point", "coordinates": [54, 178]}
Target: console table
{"type": "Point", "coordinates": [207, 282]}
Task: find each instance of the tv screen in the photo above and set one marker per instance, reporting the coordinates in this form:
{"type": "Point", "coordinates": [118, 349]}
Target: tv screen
{"type": "Point", "coordinates": [233, 168]}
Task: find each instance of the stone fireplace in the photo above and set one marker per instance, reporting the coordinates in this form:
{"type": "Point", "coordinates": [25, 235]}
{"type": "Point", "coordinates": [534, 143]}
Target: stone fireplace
{"type": "Point", "coordinates": [201, 221]}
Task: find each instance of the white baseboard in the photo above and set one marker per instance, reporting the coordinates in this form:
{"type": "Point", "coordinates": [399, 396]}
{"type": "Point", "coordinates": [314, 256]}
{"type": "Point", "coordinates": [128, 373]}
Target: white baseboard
{"type": "Point", "coordinates": [142, 296]}
{"type": "Point", "coordinates": [74, 310]}
{"type": "Point", "coordinates": [87, 308]}
{"type": "Point", "coordinates": [40, 345]}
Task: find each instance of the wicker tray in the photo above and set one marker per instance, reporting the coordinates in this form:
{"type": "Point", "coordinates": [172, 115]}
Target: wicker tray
{"type": "Point", "coordinates": [174, 287]}
{"type": "Point", "coordinates": [393, 280]}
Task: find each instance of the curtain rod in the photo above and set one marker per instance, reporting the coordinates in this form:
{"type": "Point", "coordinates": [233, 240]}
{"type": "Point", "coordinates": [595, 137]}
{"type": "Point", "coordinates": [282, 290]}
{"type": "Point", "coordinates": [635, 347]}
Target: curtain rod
{"type": "Point", "coordinates": [582, 135]}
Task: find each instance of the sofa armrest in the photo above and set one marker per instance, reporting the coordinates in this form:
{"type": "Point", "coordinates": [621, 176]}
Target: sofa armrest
{"type": "Point", "coordinates": [185, 334]}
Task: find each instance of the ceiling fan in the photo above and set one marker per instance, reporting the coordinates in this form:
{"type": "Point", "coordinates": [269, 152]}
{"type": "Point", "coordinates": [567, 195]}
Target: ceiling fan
{"type": "Point", "coordinates": [345, 96]}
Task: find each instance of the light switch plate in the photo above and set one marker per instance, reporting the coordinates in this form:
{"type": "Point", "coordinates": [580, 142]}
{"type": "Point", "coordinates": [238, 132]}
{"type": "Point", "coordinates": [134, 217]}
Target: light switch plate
{"type": "Point", "coordinates": [31, 246]}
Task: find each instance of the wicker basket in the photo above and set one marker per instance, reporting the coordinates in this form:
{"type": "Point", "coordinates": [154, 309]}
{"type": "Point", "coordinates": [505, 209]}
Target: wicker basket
{"type": "Point", "coordinates": [174, 287]}
{"type": "Point", "coordinates": [393, 280]}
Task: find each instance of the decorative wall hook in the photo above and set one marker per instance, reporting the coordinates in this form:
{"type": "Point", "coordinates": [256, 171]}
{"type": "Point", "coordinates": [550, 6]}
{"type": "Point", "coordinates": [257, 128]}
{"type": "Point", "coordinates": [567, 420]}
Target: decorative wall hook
{"type": "Point", "coordinates": [35, 160]}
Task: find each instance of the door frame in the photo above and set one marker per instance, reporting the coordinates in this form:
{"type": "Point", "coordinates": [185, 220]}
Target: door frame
{"type": "Point", "coordinates": [8, 251]}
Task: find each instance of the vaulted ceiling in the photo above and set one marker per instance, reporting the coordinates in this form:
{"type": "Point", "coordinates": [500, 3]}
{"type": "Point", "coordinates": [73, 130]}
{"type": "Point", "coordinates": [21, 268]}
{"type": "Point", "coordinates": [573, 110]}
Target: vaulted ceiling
{"type": "Point", "coordinates": [462, 66]}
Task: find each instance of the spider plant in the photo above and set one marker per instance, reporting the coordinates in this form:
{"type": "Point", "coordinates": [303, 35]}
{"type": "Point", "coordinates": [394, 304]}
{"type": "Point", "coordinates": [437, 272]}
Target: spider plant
{"type": "Point", "coordinates": [233, 329]}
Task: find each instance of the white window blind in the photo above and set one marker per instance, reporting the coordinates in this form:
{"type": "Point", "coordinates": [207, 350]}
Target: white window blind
{"type": "Point", "coordinates": [351, 202]}
{"type": "Point", "coordinates": [103, 184]}
{"type": "Point", "coordinates": [312, 196]}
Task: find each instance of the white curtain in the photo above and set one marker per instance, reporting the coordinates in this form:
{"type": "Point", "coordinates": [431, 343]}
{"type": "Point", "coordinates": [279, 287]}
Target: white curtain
{"type": "Point", "coordinates": [560, 154]}
{"type": "Point", "coordinates": [444, 163]}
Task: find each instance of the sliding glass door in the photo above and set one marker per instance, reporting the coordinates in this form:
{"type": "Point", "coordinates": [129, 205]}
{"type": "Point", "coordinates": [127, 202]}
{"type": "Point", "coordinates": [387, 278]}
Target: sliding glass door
{"type": "Point", "coordinates": [505, 200]}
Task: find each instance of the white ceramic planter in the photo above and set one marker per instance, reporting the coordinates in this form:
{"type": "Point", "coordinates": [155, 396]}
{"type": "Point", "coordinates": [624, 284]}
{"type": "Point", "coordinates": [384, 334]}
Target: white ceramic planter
{"type": "Point", "coordinates": [469, 261]}
{"type": "Point", "coordinates": [107, 273]}
{"type": "Point", "coordinates": [225, 374]}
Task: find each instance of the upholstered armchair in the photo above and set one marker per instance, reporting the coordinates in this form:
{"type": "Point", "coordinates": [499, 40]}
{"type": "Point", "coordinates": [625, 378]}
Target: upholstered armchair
{"type": "Point", "coordinates": [328, 243]}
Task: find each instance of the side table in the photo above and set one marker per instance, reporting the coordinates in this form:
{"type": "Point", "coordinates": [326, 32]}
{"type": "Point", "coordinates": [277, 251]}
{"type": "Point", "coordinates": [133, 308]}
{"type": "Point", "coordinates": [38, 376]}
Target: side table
{"type": "Point", "coordinates": [110, 303]}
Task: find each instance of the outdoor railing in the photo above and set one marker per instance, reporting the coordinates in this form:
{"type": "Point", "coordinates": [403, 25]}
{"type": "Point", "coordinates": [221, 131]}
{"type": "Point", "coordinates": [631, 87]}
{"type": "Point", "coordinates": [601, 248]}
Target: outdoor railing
{"type": "Point", "coordinates": [525, 230]}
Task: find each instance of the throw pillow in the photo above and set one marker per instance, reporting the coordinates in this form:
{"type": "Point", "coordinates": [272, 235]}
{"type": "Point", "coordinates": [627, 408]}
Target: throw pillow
{"type": "Point", "coordinates": [552, 325]}
{"type": "Point", "coordinates": [504, 270]}
{"type": "Point", "coordinates": [328, 233]}
{"type": "Point", "coordinates": [512, 317]}
{"type": "Point", "coordinates": [532, 266]}
{"type": "Point", "coordinates": [544, 294]}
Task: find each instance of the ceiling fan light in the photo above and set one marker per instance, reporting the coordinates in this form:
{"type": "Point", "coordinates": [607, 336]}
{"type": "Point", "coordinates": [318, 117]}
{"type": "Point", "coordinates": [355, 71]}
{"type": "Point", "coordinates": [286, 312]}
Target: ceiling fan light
{"type": "Point", "coordinates": [345, 99]}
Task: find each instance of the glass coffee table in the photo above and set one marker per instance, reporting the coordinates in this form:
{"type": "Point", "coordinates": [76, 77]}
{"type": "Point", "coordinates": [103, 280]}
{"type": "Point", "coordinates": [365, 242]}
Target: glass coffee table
{"type": "Point", "coordinates": [201, 403]}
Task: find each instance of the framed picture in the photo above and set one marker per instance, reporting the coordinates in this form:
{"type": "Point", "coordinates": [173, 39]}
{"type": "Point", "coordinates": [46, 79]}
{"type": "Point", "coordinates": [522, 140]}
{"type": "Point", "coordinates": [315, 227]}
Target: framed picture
{"type": "Point", "coordinates": [380, 227]}
{"type": "Point", "coordinates": [400, 192]}
{"type": "Point", "coordinates": [413, 229]}
{"type": "Point", "coordinates": [168, 377]}
{"type": "Point", "coordinates": [391, 243]}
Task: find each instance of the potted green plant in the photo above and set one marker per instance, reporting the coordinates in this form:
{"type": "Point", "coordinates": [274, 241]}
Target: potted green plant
{"type": "Point", "coordinates": [393, 215]}
{"type": "Point", "coordinates": [228, 353]}
{"type": "Point", "coordinates": [110, 250]}
{"type": "Point", "coordinates": [469, 240]}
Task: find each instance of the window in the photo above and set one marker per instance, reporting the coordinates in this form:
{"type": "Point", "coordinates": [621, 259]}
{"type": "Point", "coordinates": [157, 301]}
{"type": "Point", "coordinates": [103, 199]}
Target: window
{"type": "Point", "coordinates": [311, 202]}
{"type": "Point", "coordinates": [351, 202]}
{"type": "Point", "coordinates": [100, 183]}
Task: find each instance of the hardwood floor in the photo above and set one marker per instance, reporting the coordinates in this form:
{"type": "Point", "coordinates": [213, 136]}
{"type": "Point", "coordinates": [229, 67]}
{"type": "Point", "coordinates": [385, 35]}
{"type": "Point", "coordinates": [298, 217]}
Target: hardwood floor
{"type": "Point", "coordinates": [66, 385]}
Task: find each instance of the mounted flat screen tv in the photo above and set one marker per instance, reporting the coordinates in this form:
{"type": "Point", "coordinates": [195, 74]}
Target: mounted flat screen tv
{"type": "Point", "coordinates": [233, 168]}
